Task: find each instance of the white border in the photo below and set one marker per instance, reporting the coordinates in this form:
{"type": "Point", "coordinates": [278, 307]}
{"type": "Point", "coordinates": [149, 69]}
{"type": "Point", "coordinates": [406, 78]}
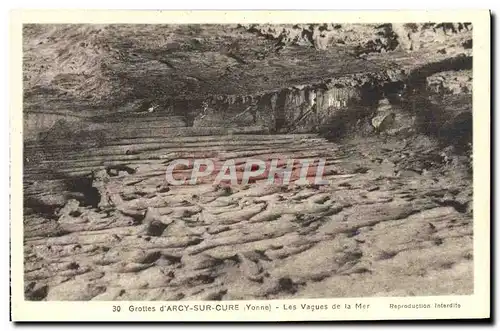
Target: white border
{"type": "Point", "coordinates": [474, 306]}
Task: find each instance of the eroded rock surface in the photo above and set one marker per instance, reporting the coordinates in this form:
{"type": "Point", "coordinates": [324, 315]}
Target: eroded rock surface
{"type": "Point", "coordinates": [108, 108]}
{"type": "Point", "coordinates": [394, 220]}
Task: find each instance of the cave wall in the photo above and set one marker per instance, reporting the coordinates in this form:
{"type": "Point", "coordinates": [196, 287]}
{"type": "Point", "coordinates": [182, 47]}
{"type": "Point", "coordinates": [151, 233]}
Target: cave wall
{"type": "Point", "coordinates": [279, 78]}
{"type": "Point", "coordinates": [286, 110]}
{"type": "Point", "coordinates": [86, 65]}
{"type": "Point", "coordinates": [301, 108]}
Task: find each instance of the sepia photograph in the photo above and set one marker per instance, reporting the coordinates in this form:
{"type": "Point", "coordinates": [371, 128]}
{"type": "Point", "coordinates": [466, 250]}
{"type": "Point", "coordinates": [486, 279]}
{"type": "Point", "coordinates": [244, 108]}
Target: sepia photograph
{"type": "Point", "coordinates": [221, 162]}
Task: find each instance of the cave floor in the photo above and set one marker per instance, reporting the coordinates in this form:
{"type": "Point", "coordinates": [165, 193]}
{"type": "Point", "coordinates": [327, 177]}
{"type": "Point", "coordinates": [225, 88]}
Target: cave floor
{"type": "Point", "coordinates": [394, 220]}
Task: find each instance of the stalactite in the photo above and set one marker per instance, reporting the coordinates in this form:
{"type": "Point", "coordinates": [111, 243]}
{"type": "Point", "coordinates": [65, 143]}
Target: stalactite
{"type": "Point", "coordinates": [273, 99]}
{"type": "Point", "coordinates": [303, 105]}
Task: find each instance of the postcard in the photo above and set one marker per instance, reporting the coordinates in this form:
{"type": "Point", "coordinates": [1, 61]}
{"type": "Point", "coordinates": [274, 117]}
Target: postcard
{"type": "Point", "coordinates": [250, 165]}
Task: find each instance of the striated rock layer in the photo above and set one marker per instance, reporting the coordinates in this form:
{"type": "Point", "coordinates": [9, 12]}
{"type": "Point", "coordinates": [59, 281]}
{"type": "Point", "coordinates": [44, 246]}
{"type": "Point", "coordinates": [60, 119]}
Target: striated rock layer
{"type": "Point", "coordinates": [396, 219]}
{"type": "Point", "coordinates": [108, 108]}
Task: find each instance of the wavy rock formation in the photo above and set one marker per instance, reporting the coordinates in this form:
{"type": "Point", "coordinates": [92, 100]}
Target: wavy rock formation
{"type": "Point", "coordinates": [107, 108]}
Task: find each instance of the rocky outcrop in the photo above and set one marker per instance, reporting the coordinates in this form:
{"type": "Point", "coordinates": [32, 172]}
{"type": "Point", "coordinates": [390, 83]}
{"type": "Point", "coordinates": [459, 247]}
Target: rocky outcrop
{"type": "Point", "coordinates": [368, 38]}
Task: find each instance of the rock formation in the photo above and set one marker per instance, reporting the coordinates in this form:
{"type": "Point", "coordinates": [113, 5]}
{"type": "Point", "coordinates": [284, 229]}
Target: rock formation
{"type": "Point", "coordinates": [108, 107]}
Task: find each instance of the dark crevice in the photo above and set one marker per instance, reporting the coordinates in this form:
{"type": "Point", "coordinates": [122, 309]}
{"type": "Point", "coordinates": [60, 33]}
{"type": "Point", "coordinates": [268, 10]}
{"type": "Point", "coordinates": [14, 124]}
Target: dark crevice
{"type": "Point", "coordinates": [417, 79]}
{"type": "Point", "coordinates": [39, 207]}
{"type": "Point", "coordinates": [90, 195]}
